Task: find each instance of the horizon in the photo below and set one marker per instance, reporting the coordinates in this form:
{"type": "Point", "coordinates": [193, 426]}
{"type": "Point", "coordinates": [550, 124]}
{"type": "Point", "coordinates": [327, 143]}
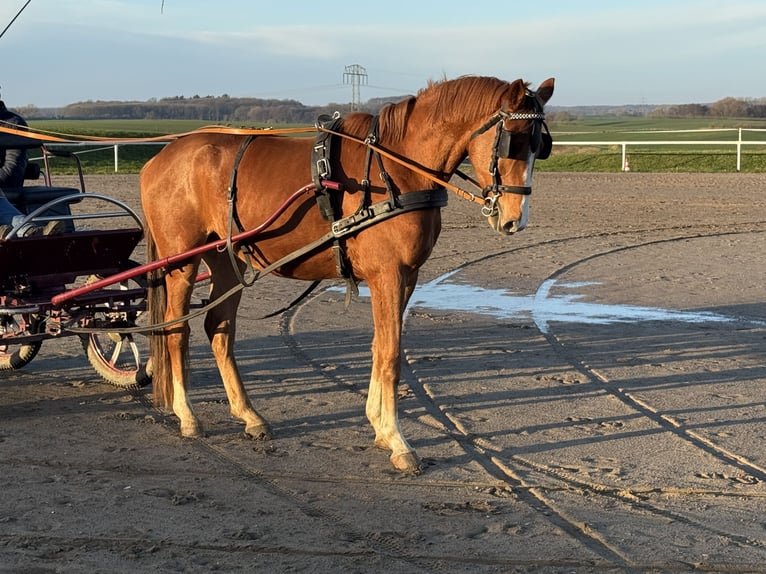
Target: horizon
{"type": "Point", "coordinates": [602, 53]}
{"type": "Point", "coordinates": [393, 98]}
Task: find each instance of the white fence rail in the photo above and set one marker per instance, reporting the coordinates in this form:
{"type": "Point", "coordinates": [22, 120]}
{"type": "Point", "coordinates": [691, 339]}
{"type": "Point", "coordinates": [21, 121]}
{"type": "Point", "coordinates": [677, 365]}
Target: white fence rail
{"type": "Point", "coordinates": [100, 146]}
{"type": "Point", "coordinates": [739, 143]}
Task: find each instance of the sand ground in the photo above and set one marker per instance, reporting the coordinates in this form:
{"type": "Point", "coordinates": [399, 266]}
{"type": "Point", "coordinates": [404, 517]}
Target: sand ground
{"type": "Point", "coordinates": [585, 396]}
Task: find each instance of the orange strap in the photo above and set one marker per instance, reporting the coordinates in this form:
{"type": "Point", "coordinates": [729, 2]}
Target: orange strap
{"type": "Point", "coordinates": [54, 137]}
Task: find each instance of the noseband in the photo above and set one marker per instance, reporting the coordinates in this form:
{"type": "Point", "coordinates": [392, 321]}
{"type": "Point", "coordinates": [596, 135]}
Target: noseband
{"type": "Point", "coordinates": [541, 142]}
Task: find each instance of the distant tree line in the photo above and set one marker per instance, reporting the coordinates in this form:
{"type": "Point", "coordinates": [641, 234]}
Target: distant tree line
{"type": "Point", "coordinates": [256, 111]}
{"type": "Point", "coordinates": [725, 108]}
{"type": "Point", "coordinates": [217, 109]}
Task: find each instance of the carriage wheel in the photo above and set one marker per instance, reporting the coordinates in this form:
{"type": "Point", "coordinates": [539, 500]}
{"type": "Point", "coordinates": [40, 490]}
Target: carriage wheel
{"type": "Point", "coordinates": [117, 358]}
{"type": "Point", "coordinates": [13, 357]}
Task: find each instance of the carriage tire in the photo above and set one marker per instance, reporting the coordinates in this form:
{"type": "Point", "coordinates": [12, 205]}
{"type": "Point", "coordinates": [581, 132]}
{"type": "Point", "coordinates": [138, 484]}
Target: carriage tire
{"type": "Point", "coordinates": [126, 375]}
{"type": "Point", "coordinates": [115, 356]}
{"type": "Point", "coordinates": [20, 357]}
{"type": "Point", "coordinates": [14, 357]}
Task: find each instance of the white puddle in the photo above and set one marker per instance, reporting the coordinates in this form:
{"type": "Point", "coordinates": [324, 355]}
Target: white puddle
{"type": "Point", "coordinates": [542, 307]}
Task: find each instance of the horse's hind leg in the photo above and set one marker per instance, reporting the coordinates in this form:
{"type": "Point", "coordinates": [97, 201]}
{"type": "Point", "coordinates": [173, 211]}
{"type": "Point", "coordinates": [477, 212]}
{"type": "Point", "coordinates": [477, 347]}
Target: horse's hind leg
{"type": "Point", "coordinates": [179, 287]}
{"type": "Point", "coordinates": [220, 326]}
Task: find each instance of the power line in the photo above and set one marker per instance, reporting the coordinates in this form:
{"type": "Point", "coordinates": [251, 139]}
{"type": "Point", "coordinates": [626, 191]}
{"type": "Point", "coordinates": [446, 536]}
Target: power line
{"type": "Point", "coordinates": [14, 19]}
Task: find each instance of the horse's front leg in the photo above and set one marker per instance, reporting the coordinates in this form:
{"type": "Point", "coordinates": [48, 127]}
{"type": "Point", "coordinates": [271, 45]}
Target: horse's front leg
{"type": "Point", "coordinates": [220, 326]}
{"type": "Point", "coordinates": [389, 294]}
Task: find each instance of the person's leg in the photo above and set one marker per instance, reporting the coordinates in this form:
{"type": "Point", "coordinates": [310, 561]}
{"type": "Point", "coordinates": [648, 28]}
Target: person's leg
{"type": "Point", "coordinates": [9, 215]}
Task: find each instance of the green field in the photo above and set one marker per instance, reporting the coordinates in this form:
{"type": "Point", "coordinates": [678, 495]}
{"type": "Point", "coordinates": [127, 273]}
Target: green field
{"type": "Point", "coordinates": [574, 148]}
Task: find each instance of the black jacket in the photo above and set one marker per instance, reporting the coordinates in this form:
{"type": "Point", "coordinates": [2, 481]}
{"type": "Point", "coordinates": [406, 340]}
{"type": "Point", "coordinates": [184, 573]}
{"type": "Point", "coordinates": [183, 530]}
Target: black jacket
{"type": "Point", "coordinates": [13, 162]}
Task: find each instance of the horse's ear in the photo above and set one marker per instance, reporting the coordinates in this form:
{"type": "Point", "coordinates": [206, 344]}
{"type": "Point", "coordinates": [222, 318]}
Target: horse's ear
{"type": "Point", "coordinates": [518, 92]}
{"type": "Point", "coordinates": [545, 91]}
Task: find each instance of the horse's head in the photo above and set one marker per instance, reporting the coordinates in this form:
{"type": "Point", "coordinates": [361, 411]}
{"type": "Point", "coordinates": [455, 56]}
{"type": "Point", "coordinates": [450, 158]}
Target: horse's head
{"type": "Point", "coordinates": [503, 151]}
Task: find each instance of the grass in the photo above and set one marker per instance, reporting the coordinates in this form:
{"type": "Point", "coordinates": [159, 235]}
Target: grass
{"type": "Point", "coordinates": [605, 157]}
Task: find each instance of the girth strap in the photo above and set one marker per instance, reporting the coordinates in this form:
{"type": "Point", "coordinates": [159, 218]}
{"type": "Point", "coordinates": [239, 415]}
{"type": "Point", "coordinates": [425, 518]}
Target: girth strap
{"type": "Point", "coordinates": [329, 194]}
{"type": "Point", "coordinates": [368, 217]}
{"type": "Point", "coordinates": [234, 217]}
{"type": "Point", "coordinates": [321, 166]}
{"type": "Point", "coordinates": [232, 190]}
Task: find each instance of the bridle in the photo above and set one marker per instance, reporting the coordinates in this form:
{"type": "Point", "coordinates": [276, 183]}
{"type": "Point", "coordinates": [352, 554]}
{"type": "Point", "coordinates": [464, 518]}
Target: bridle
{"type": "Point", "coordinates": [541, 143]}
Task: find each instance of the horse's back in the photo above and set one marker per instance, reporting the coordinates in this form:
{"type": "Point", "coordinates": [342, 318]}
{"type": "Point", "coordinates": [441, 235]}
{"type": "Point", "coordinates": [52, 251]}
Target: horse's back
{"type": "Point", "coordinates": [200, 158]}
{"type": "Point", "coordinates": [185, 188]}
{"type": "Point", "coordinates": [184, 154]}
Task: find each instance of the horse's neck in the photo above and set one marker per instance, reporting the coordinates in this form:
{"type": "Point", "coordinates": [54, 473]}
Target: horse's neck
{"type": "Point", "coordinates": [440, 151]}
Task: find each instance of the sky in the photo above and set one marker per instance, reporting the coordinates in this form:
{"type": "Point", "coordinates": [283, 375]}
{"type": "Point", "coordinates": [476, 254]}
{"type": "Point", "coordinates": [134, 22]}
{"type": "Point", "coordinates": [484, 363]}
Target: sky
{"type": "Point", "coordinates": [606, 52]}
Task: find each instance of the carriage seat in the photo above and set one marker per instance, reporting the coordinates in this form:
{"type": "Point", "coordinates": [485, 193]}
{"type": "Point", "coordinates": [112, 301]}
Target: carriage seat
{"type": "Point", "coordinates": [28, 198]}
{"type": "Point", "coordinates": [38, 194]}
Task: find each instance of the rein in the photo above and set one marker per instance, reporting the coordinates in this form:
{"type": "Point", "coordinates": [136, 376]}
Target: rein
{"type": "Point", "coordinates": [412, 166]}
{"type": "Point", "coordinates": [375, 213]}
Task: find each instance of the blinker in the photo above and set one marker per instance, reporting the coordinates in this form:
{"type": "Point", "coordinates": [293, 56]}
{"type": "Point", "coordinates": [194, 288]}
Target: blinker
{"type": "Point", "coordinates": [546, 145]}
{"type": "Point", "coordinates": [540, 141]}
{"type": "Point", "coordinates": [503, 144]}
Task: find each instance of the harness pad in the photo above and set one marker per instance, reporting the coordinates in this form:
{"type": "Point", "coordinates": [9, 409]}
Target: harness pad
{"type": "Point", "coordinates": [321, 167]}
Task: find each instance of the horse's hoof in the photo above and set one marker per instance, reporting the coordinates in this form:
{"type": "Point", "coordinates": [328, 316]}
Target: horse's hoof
{"type": "Point", "coordinates": [191, 430]}
{"type": "Point", "coordinates": [258, 432]}
{"type": "Point", "coordinates": [407, 462]}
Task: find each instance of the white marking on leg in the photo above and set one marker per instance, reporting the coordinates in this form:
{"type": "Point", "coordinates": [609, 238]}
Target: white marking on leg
{"type": "Point", "coordinates": [388, 433]}
{"type": "Point", "coordinates": [183, 410]}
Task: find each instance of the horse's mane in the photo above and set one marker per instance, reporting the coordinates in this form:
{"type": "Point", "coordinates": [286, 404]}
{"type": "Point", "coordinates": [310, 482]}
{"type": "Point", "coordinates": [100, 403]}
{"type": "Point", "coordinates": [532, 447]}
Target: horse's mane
{"type": "Point", "coordinates": [446, 100]}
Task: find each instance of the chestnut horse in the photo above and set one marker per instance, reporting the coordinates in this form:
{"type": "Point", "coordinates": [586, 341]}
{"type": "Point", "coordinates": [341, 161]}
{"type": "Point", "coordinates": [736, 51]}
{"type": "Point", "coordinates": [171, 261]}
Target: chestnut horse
{"type": "Point", "coordinates": [411, 146]}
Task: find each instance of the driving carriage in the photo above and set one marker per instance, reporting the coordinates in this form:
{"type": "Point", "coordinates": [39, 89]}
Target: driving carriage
{"type": "Point", "coordinates": [99, 235]}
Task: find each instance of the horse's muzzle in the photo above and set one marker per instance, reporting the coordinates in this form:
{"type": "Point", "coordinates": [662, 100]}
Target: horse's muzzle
{"type": "Point", "coordinates": [508, 223]}
{"type": "Point", "coordinates": [504, 220]}
{"type": "Point", "coordinates": [505, 227]}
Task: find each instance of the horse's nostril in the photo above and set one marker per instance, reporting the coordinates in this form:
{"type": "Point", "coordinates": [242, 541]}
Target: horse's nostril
{"type": "Point", "coordinates": [510, 226]}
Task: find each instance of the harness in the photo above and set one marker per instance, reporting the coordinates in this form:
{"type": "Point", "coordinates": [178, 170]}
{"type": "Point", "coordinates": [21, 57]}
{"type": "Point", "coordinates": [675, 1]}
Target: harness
{"type": "Point", "coordinates": [329, 193]}
{"type": "Point", "coordinates": [329, 199]}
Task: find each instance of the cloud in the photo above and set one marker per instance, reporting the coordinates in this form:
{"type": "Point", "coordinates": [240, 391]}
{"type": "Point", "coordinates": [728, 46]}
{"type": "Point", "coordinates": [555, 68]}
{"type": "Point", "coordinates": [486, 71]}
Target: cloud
{"type": "Point", "coordinates": [600, 52]}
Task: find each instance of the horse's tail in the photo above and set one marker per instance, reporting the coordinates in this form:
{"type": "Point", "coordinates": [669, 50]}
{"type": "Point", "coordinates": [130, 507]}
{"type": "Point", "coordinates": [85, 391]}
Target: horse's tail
{"type": "Point", "coordinates": [162, 380]}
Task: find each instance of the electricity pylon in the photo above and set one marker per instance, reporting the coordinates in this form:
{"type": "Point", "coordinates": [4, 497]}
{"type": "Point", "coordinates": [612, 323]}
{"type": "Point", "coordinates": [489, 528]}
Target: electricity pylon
{"type": "Point", "coordinates": [355, 75]}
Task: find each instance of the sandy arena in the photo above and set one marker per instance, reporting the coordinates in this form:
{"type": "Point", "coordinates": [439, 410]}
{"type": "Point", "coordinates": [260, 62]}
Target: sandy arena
{"type": "Point", "coordinates": [586, 396]}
